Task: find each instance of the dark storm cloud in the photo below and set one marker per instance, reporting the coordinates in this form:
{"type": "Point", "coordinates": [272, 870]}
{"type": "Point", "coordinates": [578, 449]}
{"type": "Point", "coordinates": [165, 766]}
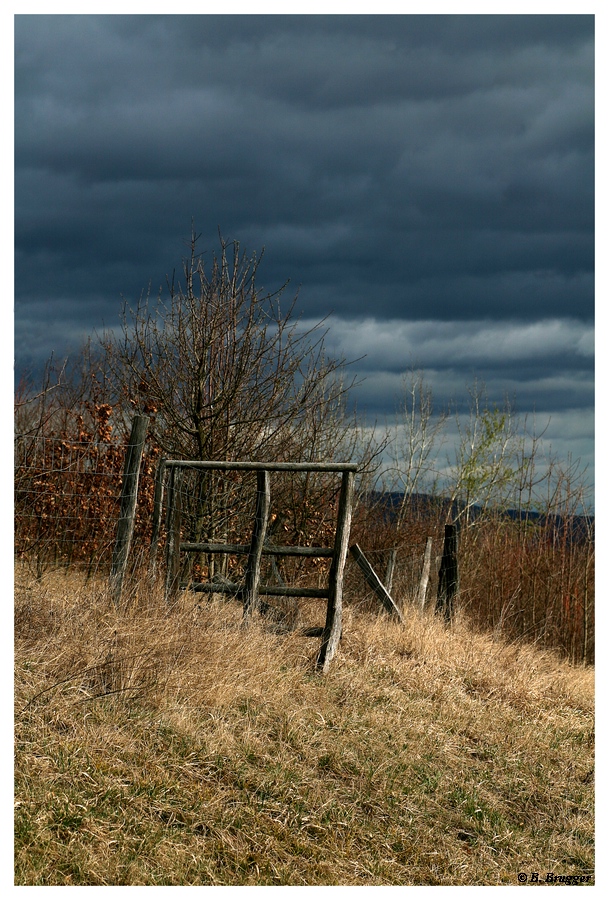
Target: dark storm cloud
{"type": "Point", "coordinates": [406, 148]}
{"type": "Point", "coordinates": [398, 168]}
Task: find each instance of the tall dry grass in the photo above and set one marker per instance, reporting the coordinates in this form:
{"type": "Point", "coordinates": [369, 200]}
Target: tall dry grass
{"type": "Point", "coordinates": [170, 746]}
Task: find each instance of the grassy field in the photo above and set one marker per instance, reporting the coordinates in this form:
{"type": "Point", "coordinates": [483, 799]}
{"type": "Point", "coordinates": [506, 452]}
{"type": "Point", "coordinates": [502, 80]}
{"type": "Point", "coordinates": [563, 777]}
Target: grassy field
{"type": "Point", "coordinates": [159, 747]}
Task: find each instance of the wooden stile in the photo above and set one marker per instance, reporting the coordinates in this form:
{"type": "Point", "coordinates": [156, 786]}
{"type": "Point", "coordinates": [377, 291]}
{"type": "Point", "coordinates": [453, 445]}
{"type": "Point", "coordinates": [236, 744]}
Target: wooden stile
{"type": "Point", "coordinates": [250, 590]}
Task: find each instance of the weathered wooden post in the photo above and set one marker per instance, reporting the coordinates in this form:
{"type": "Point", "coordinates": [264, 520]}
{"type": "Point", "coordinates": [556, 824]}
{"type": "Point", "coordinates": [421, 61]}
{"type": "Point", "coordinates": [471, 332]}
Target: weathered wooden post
{"type": "Point", "coordinates": [126, 520]}
{"type": "Point", "coordinates": [425, 574]}
{"type": "Point", "coordinates": [249, 592]}
{"type": "Point", "coordinates": [174, 524]}
{"type": "Point", "coordinates": [334, 616]}
{"type": "Point", "coordinates": [159, 489]}
{"type": "Point", "coordinates": [448, 576]}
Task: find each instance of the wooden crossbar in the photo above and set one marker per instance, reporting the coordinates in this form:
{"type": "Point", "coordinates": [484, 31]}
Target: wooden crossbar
{"type": "Point", "coordinates": [260, 466]}
{"type": "Point", "coordinates": [267, 590]}
{"type": "Point", "coordinates": [244, 549]}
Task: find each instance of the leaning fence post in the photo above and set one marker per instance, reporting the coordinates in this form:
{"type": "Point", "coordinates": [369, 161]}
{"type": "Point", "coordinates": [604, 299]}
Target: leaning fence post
{"type": "Point", "coordinates": [334, 616]}
{"type": "Point", "coordinates": [448, 576]}
{"type": "Point", "coordinates": [390, 569]}
{"type": "Point", "coordinates": [375, 582]}
{"type": "Point", "coordinates": [126, 520]}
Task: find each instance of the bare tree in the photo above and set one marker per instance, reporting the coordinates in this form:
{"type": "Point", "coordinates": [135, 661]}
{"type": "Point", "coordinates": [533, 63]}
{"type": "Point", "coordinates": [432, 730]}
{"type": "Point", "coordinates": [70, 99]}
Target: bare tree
{"type": "Point", "coordinates": [418, 440]}
{"type": "Point", "coordinates": [223, 369]}
{"type": "Point", "coordinates": [34, 403]}
{"type": "Point", "coordinates": [226, 371]}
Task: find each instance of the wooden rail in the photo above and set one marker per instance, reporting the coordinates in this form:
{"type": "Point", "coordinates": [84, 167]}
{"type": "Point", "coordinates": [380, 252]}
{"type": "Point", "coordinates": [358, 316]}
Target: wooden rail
{"type": "Point", "coordinates": [244, 549]}
{"type": "Point", "coordinates": [245, 466]}
{"type": "Point", "coordinates": [266, 590]}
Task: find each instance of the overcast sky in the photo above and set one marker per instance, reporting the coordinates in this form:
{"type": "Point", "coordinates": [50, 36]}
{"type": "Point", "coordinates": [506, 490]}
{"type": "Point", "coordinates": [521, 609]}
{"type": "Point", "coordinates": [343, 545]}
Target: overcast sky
{"type": "Point", "coordinates": [427, 181]}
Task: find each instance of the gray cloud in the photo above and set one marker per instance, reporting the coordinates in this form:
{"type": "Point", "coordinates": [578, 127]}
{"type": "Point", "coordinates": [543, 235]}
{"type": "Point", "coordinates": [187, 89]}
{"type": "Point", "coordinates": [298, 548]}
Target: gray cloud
{"type": "Point", "coordinates": [393, 342]}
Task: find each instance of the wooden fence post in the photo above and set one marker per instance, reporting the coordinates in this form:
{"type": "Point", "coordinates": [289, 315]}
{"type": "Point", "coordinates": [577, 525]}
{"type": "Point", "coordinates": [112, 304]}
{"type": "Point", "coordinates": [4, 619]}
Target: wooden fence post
{"type": "Point", "coordinates": [174, 524]}
{"type": "Point", "coordinates": [126, 521]}
{"type": "Point", "coordinates": [448, 576]}
{"type": "Point", "coordinates": [334, 616]}
{"type": "Point", "coordinates": [159, 489]}
{"type": "Point", "coordinates": [252, 572]}
{"type": "Point", "coordinates": [425, 574]}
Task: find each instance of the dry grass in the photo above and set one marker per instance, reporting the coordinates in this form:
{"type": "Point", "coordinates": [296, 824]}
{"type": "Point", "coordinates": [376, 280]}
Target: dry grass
{"type": "Point", "coordinates": [171, 747]}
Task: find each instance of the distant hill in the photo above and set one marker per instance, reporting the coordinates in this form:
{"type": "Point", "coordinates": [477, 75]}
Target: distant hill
{"type": "Point", "coordinates": [577, 527]}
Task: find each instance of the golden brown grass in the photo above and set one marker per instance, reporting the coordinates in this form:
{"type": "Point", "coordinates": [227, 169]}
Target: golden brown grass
{"type": "Point", "coordinates": [159, 746]}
